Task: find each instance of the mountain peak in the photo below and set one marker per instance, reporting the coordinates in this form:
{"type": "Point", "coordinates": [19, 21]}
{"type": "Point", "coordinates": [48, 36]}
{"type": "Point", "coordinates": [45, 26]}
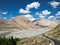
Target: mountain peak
{"type": "Point", "coordinates": [23, 23]}
{"type": "Point", "coordinates": [45, 23]}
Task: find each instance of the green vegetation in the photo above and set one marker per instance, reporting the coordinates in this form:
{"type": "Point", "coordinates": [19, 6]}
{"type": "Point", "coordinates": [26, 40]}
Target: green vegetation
{"type": "Point", "coordinates": [55, 33]}
{"type": "Point", "coordinates": [8, 41]}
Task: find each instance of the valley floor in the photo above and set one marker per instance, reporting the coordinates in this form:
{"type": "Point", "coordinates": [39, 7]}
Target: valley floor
{"type": "Point", "coordinates": [22, 33]}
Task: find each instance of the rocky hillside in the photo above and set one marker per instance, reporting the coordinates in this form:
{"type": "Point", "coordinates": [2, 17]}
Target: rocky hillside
{"type": "Point", "coordinates": [36, 40]}
{"type": "Point", "coordinates": [44, 23]}
{"type": "Point", "coordinates": [23, 23]}
{"type": "Point", "coordinates": [55, 33]}
{"type": "Point", "coordinates": [3, 23]}
{"type": "Point", "coordinates": [6, 24]}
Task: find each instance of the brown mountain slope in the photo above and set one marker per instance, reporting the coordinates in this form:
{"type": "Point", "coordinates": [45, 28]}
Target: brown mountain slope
{"type": "Point", "coordinates": [6, 24]}
{"type": "Point", "coordinates": [58, 21]}
{"type": "Point", "coordinates": [23, 23]}
{"type": "Point", "coordinates": [3, 23]}
{"type": "Point", "coordinates": [45, 23]}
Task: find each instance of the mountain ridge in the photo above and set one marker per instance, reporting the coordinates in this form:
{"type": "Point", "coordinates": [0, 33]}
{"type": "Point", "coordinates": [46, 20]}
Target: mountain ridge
{"type": "Point", "coordinates": [22, 22]}
{"type": "Point", "coordinates": [45, 23]}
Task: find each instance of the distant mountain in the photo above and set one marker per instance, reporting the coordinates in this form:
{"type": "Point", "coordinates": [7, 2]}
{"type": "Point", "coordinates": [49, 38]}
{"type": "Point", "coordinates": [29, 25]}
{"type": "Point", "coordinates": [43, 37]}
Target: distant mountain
{"type": "Point", "coordinates": [44, 23]}
{"type": "Point", "coordinates": [6, 24]}
{"type": "Point", "coordinates": [58, 21]}
{"type": "Point", "coordinates": [57, 27]}
{"type": "Point", "coordinates": [23, 23]}
{"type": "Point", "coordinates": [2, 23]}
{"type": "Point", "coordinates": [54, 33]}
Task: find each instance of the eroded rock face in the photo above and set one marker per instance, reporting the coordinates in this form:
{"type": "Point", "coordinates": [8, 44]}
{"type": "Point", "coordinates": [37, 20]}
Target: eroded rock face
{"type": "Point", "coordinates": [6, 24]}
{"type": "Point", "coordinates": [2, 22]}
{"type": "Point", "coordinates": [23, 23]}
{"type": "Point", "coordinates": [45, 23]}
{"type": "Point", "coordinates": [20, 22]}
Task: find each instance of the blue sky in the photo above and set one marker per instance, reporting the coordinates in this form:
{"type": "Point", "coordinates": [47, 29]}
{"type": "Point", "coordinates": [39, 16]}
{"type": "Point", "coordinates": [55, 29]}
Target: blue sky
{"type": "Point", "coordinates": [32, 9]}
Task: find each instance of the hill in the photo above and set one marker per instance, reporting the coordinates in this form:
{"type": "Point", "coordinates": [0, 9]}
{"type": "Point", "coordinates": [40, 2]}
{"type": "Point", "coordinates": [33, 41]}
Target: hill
{"type": "Point", "coordinates": [23, 23]}
{"type": "Point", "coordinates": [55, 33]}
{"type": "Point", "coordinates": [44, 23]}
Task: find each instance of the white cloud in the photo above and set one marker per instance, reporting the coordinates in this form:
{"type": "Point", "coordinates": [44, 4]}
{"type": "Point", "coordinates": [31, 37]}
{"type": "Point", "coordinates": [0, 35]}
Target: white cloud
{"type": "Point", "coordinates": [13, 17]}
{"type": "Point", "coordinates": [4, 12]}
{"type": "Point", "coordinates": [28, 7]}
{"type": "Point", "coordinates": [30, 17]}
{"type": "Point", "coordinates": [33, 5]}
{"type": "Point", "coordinates": [23, 11]}
{"type": "Point", "coordinates": [55, 17]}
{"type": "Point", "coordinates": [46, 12]}
{"type": "Point", "coordinates": [50, 17]}
{"type": "Point", "coordinates": [43, 14]}
{"type": "Point", "coordinates": [5, 17]}
{"type": "Point", "coordinates": [10, 15]}
{"type": "Point", "coordinates": [42, 17]}
{"type": "Point", "coordinates": [37, 13]}
{"type": "Point", "coordinates": [27, 10]}
{"type": "Point", "coordinates": [58, 13]}
{"type": "Point", "coordinates": [54, 4]}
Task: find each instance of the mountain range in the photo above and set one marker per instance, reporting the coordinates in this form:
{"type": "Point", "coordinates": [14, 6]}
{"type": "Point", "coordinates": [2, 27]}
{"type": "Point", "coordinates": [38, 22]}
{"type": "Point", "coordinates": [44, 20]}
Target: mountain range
{"type": "Point", "coordinates": [21, 22]}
